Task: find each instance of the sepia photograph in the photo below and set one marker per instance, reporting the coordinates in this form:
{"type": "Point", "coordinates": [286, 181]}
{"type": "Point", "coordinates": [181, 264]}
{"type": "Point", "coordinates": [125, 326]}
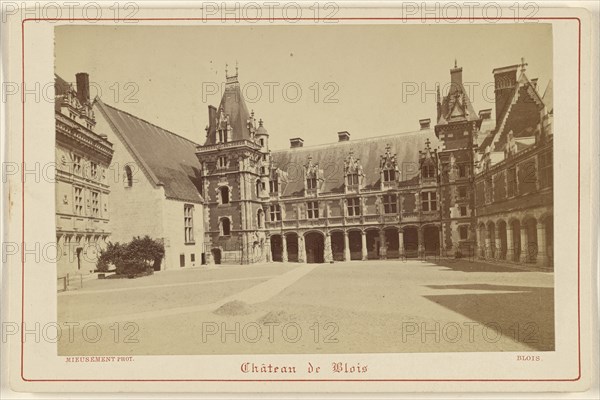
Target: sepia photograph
{"type": "Point", "coordinates": [304, 189]}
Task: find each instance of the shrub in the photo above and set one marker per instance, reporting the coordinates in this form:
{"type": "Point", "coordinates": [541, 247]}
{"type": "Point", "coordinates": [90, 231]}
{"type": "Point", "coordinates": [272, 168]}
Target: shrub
{"type": "Point", "coordinates": [134, 258]}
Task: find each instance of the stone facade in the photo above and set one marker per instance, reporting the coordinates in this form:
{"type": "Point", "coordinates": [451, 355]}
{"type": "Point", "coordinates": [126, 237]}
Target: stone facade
{"type": "Point", "coordinates": [83, 156]}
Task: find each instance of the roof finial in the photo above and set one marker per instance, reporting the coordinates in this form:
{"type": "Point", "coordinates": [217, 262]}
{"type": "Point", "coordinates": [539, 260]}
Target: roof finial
{"type": "Point", "coordinates": [260, 122]}
{"type": "Point", "coordinates": [226, 70]}
{"type": "Point", "coordinates": [523, 64]}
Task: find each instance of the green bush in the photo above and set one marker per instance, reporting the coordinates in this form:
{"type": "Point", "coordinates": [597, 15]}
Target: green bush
{"type": "Point", "coordinates": [134, 258]}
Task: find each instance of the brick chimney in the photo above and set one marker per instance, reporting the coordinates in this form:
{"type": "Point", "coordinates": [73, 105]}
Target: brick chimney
{"type": "Point", "coordinates": [425, 123]}
{"type": "Point", "coordinates": [296, 142]}
{"type": "Point", "coordinates": [343, 136]}
{"type": "Point", "coordinates": [505, 79]}
{"type": "Point", "coordinates": [83, 87]}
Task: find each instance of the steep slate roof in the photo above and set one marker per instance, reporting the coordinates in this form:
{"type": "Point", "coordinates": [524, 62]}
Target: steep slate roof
{"type": "Point", "coordinates": [232, 105]}
{"type": "Point", "coordinates": [456, 105]}
{"type": "Point", "coordinates": [548, 97]}
{"type": "Point", "coordinates": [168, 159]}
{"type": "Point", "coordinates": [331, 157]}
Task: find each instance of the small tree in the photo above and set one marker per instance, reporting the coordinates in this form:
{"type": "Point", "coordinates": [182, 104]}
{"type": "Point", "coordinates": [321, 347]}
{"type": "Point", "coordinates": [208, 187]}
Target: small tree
{"type": "Point", "coordinates": [135, 257]}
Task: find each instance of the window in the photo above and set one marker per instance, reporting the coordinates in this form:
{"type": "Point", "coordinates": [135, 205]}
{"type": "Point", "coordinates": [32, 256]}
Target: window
{"type": "Point", "coordinates": [188, 223]}
{"type": "Point", "coordinates": [352, 179]}
{"type": "Point", "coordinates": [93, 170]}
{"type": "Point", "coordinates": [389, 175]}
{"type": "Point", "coordinates": [312, 209]}
{"type": "Point", "coordinates": [545, 168]}
{"type": "Point", "coordinates": [428, 201]}
{"type": "Point", "coordinates": [95, 204]}
{"type": "Point", "coordinates": [511, 180]}
{"type": "Point", "coordinates": [462, 192]}
{"type": "Point", "coordinates": [489, 190]}
{"type": "Point", "coordinates": [390, 204]}
{"type": "Point", "coordinates": [222, 136]}
{"type": "Point", "coordinates": [76, 164]}
{"type": "Point", "coordinates": [263, 170]}
{"type": "Point", "coordinates": [463, 211]}
{"type": "Point", "coordinates": [222, 162]}
{"type": "Point", "coordinates": [78, 200]}
{"type": "Point", "coordinates": [193, 257]}
{"type": "Point", "coordinates": [264, 157]}
{"type": "Point", "coordinates": [462, 171]}
{"type": "Point", "coordinates": [311, 183]}
{"type": "Point", "coordinates": [463, 232]}
{"type": "Point", "coordinates": [275, 212]}
{"type": "Point", "coordinates": [353, 207]}
{"type": "Point", "coordinates": [128, 176]}
{"type": "Point", "coordinates": [262, 142]}
{"type": "Point", "coordinates": [273, 186]}
{"type": "Point", "coordinates": [428, 171]}
{"type": "Point", "coordinates": [258, 187]}
{"type": "Point", "coordinates": [224, 194]}
{"type": "Point", "coordinates": [225, 227]}
{"type": "Point", "coordinates": [182, 260]}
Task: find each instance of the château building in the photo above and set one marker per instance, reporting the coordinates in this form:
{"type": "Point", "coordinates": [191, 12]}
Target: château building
{"type": "Point", "coordinates": [83, 155]}
{"type": "Point", "coordinates": [471, 185]}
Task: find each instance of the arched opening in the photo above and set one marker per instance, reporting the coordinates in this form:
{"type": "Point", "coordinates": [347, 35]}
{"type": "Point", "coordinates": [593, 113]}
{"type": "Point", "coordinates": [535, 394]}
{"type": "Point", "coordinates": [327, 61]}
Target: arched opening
{"type": "Point", "coordinates": [491, 231]}
{"type": "Point", "coordinates": [411, 242]}
{"type": "Point", "coordinates": [392, 242]}
{"type": "Point", "coordinates": [532, 242]}
{"type": "Point", "coordinates": [355, 241]}
{"type": "Point", "coordinates": [516, 234]}
{"type": "Point", "coordinates": [337, 245]}
{"type": "Point", "coordinates": [315, 247]}
{"type": "Point", "coordinates": [503, 240]}
{"type": "Point", "coordinates": [373, 244]}
{"type": "Point", "coordinates": [292, 246]}
{"type": "Point", "coordinates": [258, 184]}
{"type": "Point", "coordinates": [431, 237]}
{"type": "Point", "coordinates": [216, 255]}
{"type": "Point", "coordinates": [224, 191]}
{"type": "Point", "coordinates": [260, 219]}
{"type": "Point", "coordinates": [225, 226]}
{"type": "Point", "coordinates": [276, 248]}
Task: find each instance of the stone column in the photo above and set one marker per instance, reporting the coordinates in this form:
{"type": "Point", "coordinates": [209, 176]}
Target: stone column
{"type": "Point", "coordinates": [541, 240]}
{"type": "Point", "coordinates": [488, 244]}
{"type": "Point", "coordinates": [346, 247]}
{"type": "Point", "coordinates": [510, 245]}
{"type": "Point", "coordinates": [441, 250]}
{"type": "Point", "coordinates": [420, 242]}
{"type": "Point", "coordinates": [480, 243]}
{"type": "Point", "coordinates": [365, 252]}
{"type": "Point", "coordinates": [382, 245]}
{"type": "Point", "coordinates": [284, 255]}
{"type": "Point", "coordinates": [498, 253]}
{"type": "Point", "coordinates": [401, 242]}
{"type": "Point", "coordinates": [524, 244]}
{"type": "Point", "coordinates": [328, 256]}
{"type": "Point", "coordinates": [301, 249]}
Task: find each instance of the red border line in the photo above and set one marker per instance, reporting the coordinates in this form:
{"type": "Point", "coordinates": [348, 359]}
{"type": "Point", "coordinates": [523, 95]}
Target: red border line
{"type": "Point", "coordinates": [303, 380]}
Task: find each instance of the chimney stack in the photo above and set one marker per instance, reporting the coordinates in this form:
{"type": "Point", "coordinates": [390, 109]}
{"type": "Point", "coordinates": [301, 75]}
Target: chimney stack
{"type": "Point", "coordinates": [505, 80]}
{"type": "Point", "coordinates": [83, 87]}
{"type": "Point", "coordinates": [485, 114]}
{"type": "Point", "coordinates": [455, 77]}
{"type": "Point", "coordinates": [296, 142]}
{"type": "Point", "coordinates": [343, 136]}
{"type": "Point", "coordinates": [425, 123]}
{"type": "Point", "coordinates": [534, 82]}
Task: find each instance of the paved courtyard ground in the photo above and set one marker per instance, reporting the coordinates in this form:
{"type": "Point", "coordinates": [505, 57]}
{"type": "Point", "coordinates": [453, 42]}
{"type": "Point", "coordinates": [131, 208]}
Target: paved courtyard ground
{"type": "Point", "coordinates": [345, 307]}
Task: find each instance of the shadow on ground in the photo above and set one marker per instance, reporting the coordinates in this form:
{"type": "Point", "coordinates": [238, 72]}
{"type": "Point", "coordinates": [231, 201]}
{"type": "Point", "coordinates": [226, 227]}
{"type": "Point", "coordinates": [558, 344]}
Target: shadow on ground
{"type": "Point", "coordinates": [470, 265]}
{"type": "Point", "coordinates": [526, 315]}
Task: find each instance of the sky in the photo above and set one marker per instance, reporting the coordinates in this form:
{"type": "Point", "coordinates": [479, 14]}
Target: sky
{"type": "Point", "coordinates": [303, 81]}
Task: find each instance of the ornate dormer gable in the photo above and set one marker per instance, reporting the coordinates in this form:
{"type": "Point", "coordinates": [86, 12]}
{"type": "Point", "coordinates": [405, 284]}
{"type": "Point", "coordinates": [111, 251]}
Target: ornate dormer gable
{"type": "Point", "coordinates": [388, 166]}
{"type": "Point", "coordinates": [223, 127]}
{"type": "Point", "coordinates": [353, 172]}
{"type": "Point", "coordinates": [428, 162]}
{"type": "Point", "coordinates": [311, 177]}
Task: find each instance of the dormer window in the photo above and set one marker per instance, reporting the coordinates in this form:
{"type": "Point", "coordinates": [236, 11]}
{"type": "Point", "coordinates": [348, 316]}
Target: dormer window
{"type": "Point", "coordinates": [273, 186]}
{"type": "Point", "coordinates": [352, 179]}
{"type": "Point", "coordinates": [311, 183]}
{"type": "Point", "coordinates": [389, 175]}
{"type": "Point", "coordinates": [428, 171]}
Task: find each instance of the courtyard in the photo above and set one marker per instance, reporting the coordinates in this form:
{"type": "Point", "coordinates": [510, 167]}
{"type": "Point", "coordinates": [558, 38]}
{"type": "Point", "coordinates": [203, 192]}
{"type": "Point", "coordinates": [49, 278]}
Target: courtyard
{"type": "Point", "coordinates": [343, 307]}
